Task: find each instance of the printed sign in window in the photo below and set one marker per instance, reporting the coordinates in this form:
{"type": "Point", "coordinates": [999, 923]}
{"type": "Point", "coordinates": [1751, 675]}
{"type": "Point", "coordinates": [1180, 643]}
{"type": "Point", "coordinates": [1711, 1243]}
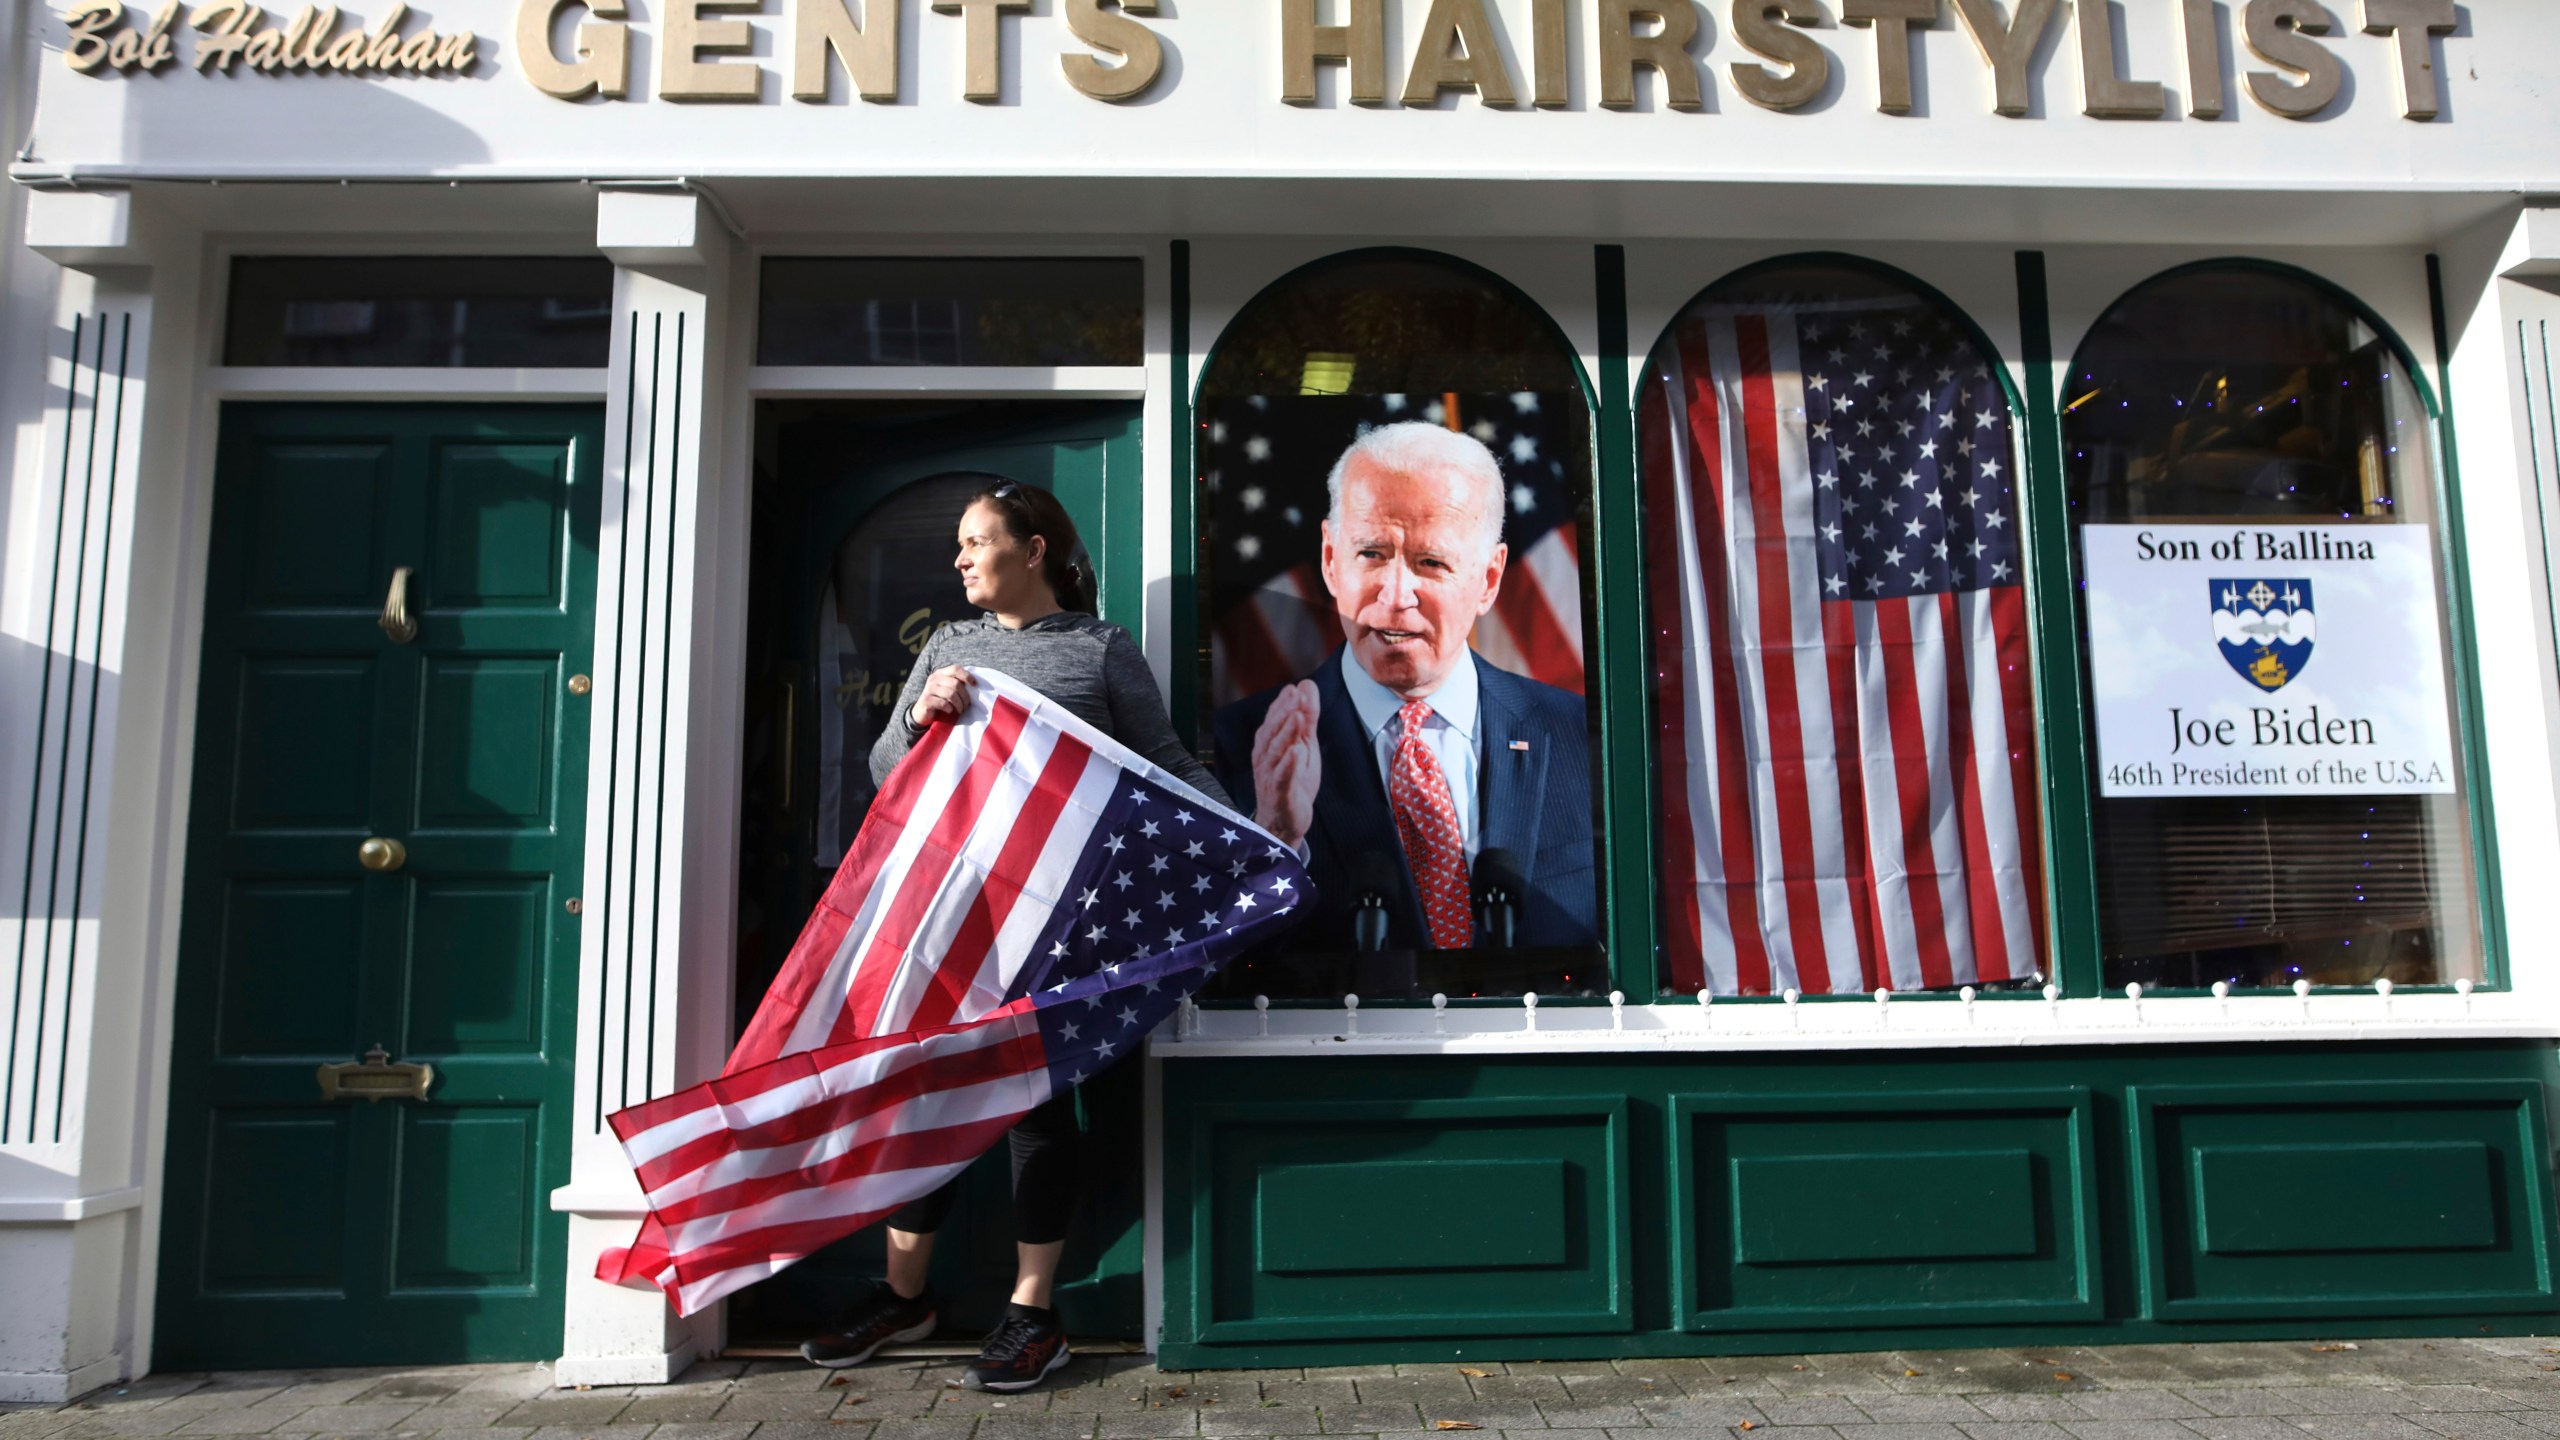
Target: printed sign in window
{"type": "Point", "coordinates": [2267, 660]}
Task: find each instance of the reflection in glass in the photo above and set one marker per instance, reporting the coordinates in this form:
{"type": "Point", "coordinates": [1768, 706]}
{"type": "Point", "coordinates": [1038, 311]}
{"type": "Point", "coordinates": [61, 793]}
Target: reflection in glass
{"type": "Point", "coordinates": [436, 311]}
{"type": "Point", "coordinates": [2239, 391]}
{"type": "Point", "coordinates": [1037, 312]}
{"type": "Point", "coordinates": [1842, 695]}
{"type": "Point", "coordinates": [886, 595]}
{"type": "Point", "coordinates": [1389, 324]}
{"type": "Point", "coordinates": [1346, 349]}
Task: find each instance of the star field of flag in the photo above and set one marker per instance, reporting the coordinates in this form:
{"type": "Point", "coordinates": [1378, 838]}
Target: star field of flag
{"type": "Point", "coordinates": [1908, 437]}
{"type": "Point", "coordinates": [1170, 890]}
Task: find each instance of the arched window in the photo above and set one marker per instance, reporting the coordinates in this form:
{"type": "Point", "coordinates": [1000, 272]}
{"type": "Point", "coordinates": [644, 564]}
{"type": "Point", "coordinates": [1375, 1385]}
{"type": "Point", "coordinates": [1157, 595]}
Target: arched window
{"type": "Point", "coordinates": [1394, 508]}
{"type": "Point", "coordinates": [2252, 474]}
{"type": "Point", "coordinates": [1836, 569]}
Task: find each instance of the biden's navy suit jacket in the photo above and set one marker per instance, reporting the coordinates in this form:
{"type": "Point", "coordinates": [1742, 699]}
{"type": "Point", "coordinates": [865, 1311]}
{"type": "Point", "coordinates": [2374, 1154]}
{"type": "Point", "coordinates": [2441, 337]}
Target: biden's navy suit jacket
{"type": "Point", "coordinates": [1535, 801]}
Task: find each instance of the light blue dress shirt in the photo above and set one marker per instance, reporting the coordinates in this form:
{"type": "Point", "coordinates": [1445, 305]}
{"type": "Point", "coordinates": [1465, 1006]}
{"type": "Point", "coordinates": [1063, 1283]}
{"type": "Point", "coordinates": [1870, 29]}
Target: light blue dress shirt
{"type": "Point", "coordinates": [1453, 732]}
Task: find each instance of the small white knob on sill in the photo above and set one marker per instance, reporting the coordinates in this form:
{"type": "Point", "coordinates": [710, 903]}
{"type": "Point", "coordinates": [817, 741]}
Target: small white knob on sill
{"type": "Point", "coordinates": [1968, 995]}
{"type": "Point", "coordinates": [1262, 1014]}
{"type": "Point", "coordinates": [1529, 1009]}
{"type": "Point", "coordinates": [1617, 1009]}
{"type": "Point", "coordinates": [1439, 1014]}
{"type": "Point", "coordinates": [1350, 1014]}
{"type": "Point", "coordinates": [1795, 1016]}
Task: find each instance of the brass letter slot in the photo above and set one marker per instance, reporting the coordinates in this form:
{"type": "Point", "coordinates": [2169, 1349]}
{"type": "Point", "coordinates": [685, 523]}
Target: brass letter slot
{"type": "Point", "coordinates": [375, 1078]}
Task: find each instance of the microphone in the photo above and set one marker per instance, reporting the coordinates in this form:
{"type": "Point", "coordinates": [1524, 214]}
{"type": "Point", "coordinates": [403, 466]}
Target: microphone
{"type": "Point", "coordinates": [1499, 884]}
{"type": "Point", "coordinates": [1373, 879]}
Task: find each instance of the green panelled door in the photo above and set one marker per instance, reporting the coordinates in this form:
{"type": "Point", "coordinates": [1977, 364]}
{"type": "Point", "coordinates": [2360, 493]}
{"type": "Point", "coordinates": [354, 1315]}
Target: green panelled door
{"type": "Point", "coordinates": [384, 852]}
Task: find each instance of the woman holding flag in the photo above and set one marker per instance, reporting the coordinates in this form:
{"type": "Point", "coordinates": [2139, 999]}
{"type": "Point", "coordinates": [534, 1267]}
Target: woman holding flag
{"type": "Point", "coordinates": [1020, 563]}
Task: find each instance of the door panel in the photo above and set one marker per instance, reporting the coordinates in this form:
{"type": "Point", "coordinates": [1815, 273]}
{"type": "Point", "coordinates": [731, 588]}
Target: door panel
{"type": "Point", "coordinates": [470, 1187]}
{"type": "Point", "coordinates": [307, 1231]}
{"type": "Point", "coordinates": [497, 538]}
{"type": "Point", "coordinates": [286, 989]}
{"type": "Point", "coordinates": [495, 1007]}
{"type": "Point", "coordinates": [484, 742]}
{"type": "Point", "coordinates": [316, 537]}
{"type": "Point", "coordinates": [268, 1166]}
{"type": "Point", "coordinates": [281, 780]}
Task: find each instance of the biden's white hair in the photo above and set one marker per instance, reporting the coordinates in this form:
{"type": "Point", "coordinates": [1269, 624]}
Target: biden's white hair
{"type": "Point", "coordinates": [1413, 447]}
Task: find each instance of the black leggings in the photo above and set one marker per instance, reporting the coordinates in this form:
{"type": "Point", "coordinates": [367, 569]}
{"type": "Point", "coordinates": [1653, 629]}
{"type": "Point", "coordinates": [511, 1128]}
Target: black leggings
{"type": "Point", "coordinates": [1047, 1149]}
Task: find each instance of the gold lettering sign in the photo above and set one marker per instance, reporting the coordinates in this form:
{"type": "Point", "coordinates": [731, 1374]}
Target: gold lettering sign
{"type": "Point", "coordinates": [229, 32]}
{"type": "Point", "coordinates": [724, 50]}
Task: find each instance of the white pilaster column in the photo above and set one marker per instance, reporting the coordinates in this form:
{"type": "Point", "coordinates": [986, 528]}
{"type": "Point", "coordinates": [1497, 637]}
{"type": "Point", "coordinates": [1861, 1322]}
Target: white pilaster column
{"type": "Point", "coordinates": [655, 954]}
{"type": "Point", "coordinates": [70, 1106]}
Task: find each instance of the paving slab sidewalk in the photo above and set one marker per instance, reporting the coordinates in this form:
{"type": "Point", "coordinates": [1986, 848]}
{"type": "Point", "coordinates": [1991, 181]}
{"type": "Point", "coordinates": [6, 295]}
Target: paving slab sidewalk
{"type": "Point", "coordinates": [2448, 1389]}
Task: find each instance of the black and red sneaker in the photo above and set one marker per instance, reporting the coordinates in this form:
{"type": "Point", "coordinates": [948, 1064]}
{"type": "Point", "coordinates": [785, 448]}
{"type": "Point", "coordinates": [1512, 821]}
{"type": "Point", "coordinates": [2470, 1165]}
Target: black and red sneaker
{"type": "Point", "coordinates": [1026, 1347]}
{"type": "Point", "coordinates": [883, 1318]}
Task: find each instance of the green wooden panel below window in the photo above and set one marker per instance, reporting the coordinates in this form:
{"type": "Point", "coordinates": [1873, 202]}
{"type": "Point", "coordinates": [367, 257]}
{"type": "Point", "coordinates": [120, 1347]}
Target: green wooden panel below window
{"type": "Point", "coordinates": [1956, 1205]}
{"type": "Point", "coordinates": [1779, 1203]}
{"type": "Point", "coordinates": [1446, 1217]}
{"type": "Point", "coordinates": [1950, 1205]}
{"type": "Point", "coordinates": [2249, 1198]}
{"type": "Point", "coordinates": [2419, 1197]}
{"type": "Point", "coordinates": [1450, 1215]}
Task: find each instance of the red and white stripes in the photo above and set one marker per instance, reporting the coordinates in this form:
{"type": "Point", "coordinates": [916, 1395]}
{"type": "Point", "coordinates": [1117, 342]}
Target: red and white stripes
{"type": "Point", "coordinates": [1847, 785]}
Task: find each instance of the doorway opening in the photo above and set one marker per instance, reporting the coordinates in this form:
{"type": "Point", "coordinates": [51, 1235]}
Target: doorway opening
{"type": "Point", "coordinates": [854, 511]}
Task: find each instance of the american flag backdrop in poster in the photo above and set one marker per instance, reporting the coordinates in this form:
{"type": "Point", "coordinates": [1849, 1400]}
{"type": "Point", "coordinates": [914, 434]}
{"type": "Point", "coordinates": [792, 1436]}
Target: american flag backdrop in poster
{"type": "Point", "coordinates": [1836, 571]}
{"type": "Point", "coordinates": [1263, 463]}
{"type": "Point", "coordinates": [1025, 901]}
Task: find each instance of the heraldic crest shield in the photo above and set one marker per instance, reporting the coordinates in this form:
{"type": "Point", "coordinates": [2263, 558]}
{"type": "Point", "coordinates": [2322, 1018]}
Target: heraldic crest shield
{"type": "Point", "coordinates": [2265, 628]}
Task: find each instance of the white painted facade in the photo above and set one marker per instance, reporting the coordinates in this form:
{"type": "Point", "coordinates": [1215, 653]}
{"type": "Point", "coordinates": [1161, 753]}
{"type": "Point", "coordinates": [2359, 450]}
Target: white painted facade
{"type": "Point", "coordinates": [134, 190]}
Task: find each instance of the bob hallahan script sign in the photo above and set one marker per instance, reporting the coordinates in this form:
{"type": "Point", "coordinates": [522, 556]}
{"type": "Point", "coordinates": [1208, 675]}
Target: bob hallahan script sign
{"type": "Point", "coordinates": [2267, 660]}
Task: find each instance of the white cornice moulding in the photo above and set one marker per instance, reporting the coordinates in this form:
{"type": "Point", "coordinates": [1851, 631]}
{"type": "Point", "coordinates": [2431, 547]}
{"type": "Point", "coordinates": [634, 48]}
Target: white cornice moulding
{"type": "Point", "coordinates": [601, 1202]}
{"type": "Point", "coordinates": [1852, 1024]}
{"type": "Point", "coordinates": [2540, 251]}
{"type": "Point", "coordinates": [79, 229]}
{"type": "Point", "coordinates": [658, 227]}
{"type": "Point", "coordinates": [69, 1211]}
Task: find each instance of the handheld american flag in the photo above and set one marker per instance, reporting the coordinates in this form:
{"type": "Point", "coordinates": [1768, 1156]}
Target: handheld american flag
{"type": "Point", "coordinates": [1841, 653]}
{"type": "Point", "coordinates": [1024, 903]}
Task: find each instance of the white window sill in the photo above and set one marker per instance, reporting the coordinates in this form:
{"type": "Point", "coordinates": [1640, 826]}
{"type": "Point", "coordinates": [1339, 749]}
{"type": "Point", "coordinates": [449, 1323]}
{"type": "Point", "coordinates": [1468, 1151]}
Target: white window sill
{"type": "Point", "coordinates": [1908, 1024]}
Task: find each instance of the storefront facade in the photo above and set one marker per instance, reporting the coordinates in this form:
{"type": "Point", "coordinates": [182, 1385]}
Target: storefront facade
{"type": "Point", "coordinates": [479, 477]}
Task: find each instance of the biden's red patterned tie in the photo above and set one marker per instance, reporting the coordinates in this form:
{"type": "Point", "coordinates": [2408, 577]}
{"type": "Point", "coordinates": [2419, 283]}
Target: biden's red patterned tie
{"type": "Point", "coordinates": [1427, 822]}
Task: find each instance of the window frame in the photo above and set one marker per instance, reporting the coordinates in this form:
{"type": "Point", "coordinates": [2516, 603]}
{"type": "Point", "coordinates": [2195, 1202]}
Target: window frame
{"type": "Point", "coordinates": [2002, 366]}
{"type": "Point", "coordinates": [2082, 962]}
{"type": "Point", "coordinates": [1611, 830]}
{"type": "Point", "coordinates": [2034, 380]}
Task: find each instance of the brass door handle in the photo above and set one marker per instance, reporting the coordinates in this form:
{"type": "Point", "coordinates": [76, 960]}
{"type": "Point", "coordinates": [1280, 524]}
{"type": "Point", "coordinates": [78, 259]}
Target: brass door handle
{"type": "Point", "coordinates": [382, 856]}
{"type": "Point", "coordinates": [395, 621]}
{"type": "Point", "coordinates": [376, 1079]}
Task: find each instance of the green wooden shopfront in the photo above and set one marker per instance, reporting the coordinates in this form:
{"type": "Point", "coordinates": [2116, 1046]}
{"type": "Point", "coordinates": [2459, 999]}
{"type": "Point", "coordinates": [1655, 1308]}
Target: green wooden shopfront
{"type": "Point", "coordinates": [2007, 875]}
